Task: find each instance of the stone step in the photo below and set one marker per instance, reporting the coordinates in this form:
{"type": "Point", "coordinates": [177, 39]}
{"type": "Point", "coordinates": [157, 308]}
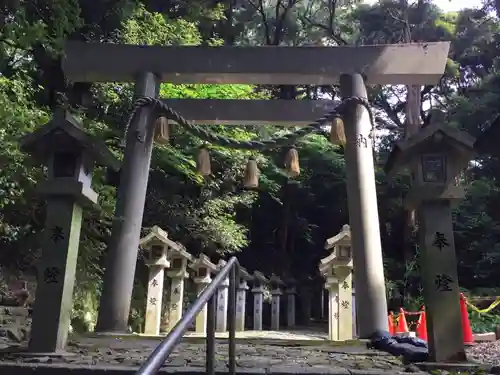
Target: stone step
{"type": "Point", "coordinates": [67, 369]}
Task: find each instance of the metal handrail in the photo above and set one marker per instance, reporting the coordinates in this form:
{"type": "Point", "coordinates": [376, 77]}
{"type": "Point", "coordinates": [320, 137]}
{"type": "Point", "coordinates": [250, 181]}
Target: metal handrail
{"type": "Point", "coordinates": [208, 296]}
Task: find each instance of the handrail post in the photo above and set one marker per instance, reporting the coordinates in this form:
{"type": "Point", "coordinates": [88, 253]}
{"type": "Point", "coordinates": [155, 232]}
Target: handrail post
{"type": "Point", "coordinates": [231, 312]}
{"type": "Point", "coordinates": [210, 350]}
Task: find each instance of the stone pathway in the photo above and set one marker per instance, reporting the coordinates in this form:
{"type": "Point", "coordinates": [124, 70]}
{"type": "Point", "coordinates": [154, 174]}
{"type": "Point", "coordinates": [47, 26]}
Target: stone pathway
{"type": "Point", "coordinates": [280, 357]}
{"type": "Point", "coordinates": [300, 335]}
{"type": "Point", "coordinates": [257, 354]}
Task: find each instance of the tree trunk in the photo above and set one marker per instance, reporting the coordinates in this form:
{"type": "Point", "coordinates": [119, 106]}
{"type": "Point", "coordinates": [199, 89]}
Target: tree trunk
{"type": "Point", "coordinates": [412, 126]}
{"type": "Point", "coordinates": [281, 258]}
{"type": "Point", "coordinates": [497, 7]}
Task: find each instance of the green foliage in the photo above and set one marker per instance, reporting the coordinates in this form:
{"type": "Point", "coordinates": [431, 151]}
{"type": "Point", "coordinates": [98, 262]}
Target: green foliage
{"type": "Point", "coordinates": [280, 227]}
{"type": "Point", "coordinates": [146, 28]}
{"type": "Point", "coordinates": [482, 323]}
{"type": "Point", "coordinates": [18, 116]}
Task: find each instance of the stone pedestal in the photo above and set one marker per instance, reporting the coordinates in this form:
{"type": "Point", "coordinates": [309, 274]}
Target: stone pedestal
{"type": "Point", "coordinates": [290, 306]}
{"type": "Point", "coordinates": [201, 318]}
{"type": "Point", "coordinates": [440, 281]}
{"type": "Point", "coordinates": [176, 298]}
{"type": "Point", "coordinates": [222, 299]}
{"type": "Point", "coordinates": [258, 297]}
{"type": "Point", "coordinates": [275, 309]}
{"type": "Point", "coordinates": [177, 274]}
{"type": "Point", "coordinates": [154, 300]}
{"type": "Point", "coordinates": [241, 297]}
{"type": "Point", "coordinates": [345, 303]}
{"type": "Point", "coordinates": [203, 268]}
{"type": "Point", "coordinates": [53, 302]}
{"type": "Point", "coordinates": [333, 310]}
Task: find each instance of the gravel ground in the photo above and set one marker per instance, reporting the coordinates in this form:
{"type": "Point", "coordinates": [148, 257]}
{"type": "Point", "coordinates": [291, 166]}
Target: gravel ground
{"type": "Point", "coordinates": [485, 352]}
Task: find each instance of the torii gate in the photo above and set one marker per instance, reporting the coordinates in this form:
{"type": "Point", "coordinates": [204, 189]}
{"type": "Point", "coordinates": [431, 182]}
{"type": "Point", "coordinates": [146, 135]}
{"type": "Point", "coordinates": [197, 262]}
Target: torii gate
{"type": "Point", "coordinates": [350, 66]}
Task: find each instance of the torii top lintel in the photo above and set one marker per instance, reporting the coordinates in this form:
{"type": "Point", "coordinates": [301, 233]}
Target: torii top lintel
{"type": "Point", "coordinates": [406, 64]}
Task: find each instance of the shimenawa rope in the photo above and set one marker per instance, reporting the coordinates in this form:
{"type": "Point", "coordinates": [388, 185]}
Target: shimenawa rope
{"type": "Point", "coordinates": [162, 109]}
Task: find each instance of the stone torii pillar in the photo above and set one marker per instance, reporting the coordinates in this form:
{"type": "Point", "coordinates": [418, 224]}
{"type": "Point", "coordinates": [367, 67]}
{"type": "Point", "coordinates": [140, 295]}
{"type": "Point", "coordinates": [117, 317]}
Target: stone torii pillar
{"type": "Point", "coordinates": [121, 258]}
{"type": "Point", "coordinates": [437, 154]}
{"type": "Point", "coordinates": [363, 210]}
{"type": "Point", "coordinates": [156, 243]}
{"type": "Point", "coordinates": [203, 268]}
{"type": "Point", "coordinates": [259, 280]}
{"type": "Point", "coordinates": [70, 154]}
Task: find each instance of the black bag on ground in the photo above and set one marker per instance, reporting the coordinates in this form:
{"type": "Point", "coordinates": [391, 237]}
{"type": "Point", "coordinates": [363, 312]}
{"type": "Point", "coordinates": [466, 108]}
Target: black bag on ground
{"type": "Point", "coordinates": [415, 341]}
{"type": "Point", "coordinates": [411, 350]}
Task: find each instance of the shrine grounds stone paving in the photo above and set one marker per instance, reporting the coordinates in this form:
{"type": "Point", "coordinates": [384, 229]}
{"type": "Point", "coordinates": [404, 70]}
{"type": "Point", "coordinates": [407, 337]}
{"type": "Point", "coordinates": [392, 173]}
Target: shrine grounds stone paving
{"type": "Point", "coordinates": [123, 356]}
{"type": "Point", "coordinates": [108, 355]}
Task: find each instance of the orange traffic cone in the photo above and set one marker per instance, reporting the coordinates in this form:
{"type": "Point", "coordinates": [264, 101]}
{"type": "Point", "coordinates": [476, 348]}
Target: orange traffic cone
{"type": "Point", "coordinates": [421, 330]}
{"type": "Point", "coordinates": [402, 325]}
{"type": "Point", "coordinates": [390, 323]}
{"type": "Point", "coordinates": [466, 328]}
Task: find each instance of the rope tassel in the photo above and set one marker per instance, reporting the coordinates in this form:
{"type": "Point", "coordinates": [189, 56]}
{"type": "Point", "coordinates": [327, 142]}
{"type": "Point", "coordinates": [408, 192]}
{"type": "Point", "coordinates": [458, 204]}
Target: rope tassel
{"type": "Point", "coordinates": [252, 173]}
{"type": "Point", "coordinates": [203, 162]}
{"type": "Point", "coordinates": [337, 132]}
{"type": "Point", "coordinates": [292, 165]}
{"type": "Point", "coordinates": [162, 130]}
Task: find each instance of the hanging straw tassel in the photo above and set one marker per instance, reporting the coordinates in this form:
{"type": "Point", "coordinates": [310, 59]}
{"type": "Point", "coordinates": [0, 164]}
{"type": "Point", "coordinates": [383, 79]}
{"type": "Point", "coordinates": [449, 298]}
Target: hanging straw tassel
{"type": "Point", "coordinates": [251, 179]}
{"type": "Point", "coordinates": [337, 132]}
{"type": "Point", "coordinates": [292, 162]}
{"type": "Point", "coordinates": [162, 131]}
{"type": "Point", "coordinates": [203, 162]}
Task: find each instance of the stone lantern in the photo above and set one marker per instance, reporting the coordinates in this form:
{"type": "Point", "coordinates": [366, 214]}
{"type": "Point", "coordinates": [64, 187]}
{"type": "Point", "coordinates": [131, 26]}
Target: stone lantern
{"type": "Point", "coordinates": [204, 269]}
{"type": "Point", "coordinates": [222, 301]}
{"type": "Point", "coordinates": [70, 154]}
{"type": "Point", "coordinates": [290, 291]}
{"type": "Point", "coordinates": [332, 287]}
{"type": "Point", "coordinates": [241, 299]}
{"type": "Point", "coordinates": [337, 267]}
{"type": "Point", "coordinates": [179, 259]}
{"type": "Point", "coordinates": [156, 243]}
{"type": "Point", "coordinates": [436, 155]}
{"type": "Point", "coordinates": [276, 286]}
{"type": "Point", "coordinates": [259, 280]}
